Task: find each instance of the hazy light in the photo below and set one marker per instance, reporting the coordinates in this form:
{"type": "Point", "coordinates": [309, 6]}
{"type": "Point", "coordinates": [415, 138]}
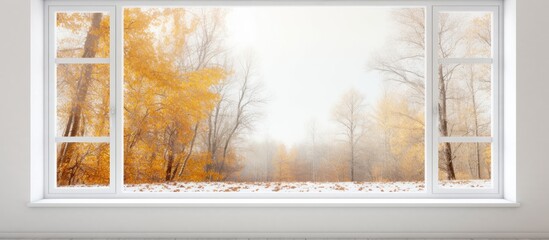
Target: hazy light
{"type": "Point", "coordinates": [308, 57]}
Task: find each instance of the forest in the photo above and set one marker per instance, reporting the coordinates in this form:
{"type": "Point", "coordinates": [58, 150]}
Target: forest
{"type": "Point", "coordinates": [192, 105]}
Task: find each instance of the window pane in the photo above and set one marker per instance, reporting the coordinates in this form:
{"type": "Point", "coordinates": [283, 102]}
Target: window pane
{"type": "Point", "coordinates": [82, 35]}
{"type": "Point", "coordinates": [83, 100]}
{"type": "Point", "coordinates": [284, 99]}
{"type": "Point", "coordinates": [83, 164]}
{"type": "Point", "coordinates": [465, 165]}
{"type": "Point", "coordinates": [465, 100]}
{"type": "Point", "coordinates": [465, 34]}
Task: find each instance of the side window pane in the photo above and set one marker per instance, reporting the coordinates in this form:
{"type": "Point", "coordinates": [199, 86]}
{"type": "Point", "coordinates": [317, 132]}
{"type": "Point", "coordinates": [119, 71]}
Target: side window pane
{"type": "Point", "coordinates": [465, 34]}
{"type": "Point", "coordinates": [471, 165]}
{"type": "Point", "coordinates": [82, 35]}
{"type": "Point", "coordinates": [465, 100]}
{"type": "Point", "coordinates": [82, 100]}
{"type": "Point", "coordinates": [83, 164]}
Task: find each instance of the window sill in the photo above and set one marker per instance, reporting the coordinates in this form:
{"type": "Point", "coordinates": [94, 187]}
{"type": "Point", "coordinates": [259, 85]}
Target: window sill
{"type": "Point", "coordinates": [294, 203]}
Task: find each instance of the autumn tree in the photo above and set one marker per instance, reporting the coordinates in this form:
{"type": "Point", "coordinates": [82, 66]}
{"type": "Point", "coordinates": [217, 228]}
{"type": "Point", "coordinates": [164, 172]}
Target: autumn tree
{"type": "Point", "coordinates": [399, 113]}
{"type": "Point", "coordinates": [284, 162]}
{"type": "Point", "coordinates": [164, 99]}
{"type": "Point", "coordinates": [401, 130]}
{"type": "Point", "coordinates": [186, 104]}
{"type": "Point", "coordinates": [83, 99]}
{"type": "Point", "coordinates": [205, 49]}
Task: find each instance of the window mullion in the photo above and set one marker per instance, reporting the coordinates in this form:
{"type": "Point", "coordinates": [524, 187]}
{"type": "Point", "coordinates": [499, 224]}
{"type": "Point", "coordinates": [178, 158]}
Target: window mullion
{"type": "Point", "coordinates": [82, 139]}
{"type": "Point", "coordinates": [51, 96]}
{"type": "Point", "coordinates": [434, 100]}
{"type": "Point", "coordinates": [429, 119]}
{"type": "Point", "coordinates": [82, 60]}
{"type": "Point", "coordinates": [118, 90]}
{"type": "Point", "coordinates": [112, 95]}
{"type": "Point", "coordinates": [497, 93]}
{"type": "Point", "coordinates": [465, 139]}
{"type": "Point", "coordinates": [465, 60]}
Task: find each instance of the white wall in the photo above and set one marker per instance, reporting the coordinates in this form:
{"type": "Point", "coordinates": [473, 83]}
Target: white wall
{"type": "Point", "coordinates": [529, 220]}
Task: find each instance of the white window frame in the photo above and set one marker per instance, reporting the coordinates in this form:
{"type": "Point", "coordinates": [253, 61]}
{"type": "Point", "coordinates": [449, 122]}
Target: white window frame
{"type": "Point", "coordinates": [115, 188]}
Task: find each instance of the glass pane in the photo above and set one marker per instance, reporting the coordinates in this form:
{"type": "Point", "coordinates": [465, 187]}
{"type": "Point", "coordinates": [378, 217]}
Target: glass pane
{"type": "Point", "coordinates": [465, 35]}
{"type": "Point", "coordinates": [465, 100]}
{"type": "Point", "coordinates": [469, 165]}
{"type": "Point", "coordinates": [82, 35]}
{"type": "Point", "coordinates": [232, 100]}
{"type": "Point", "coordinates": [83, 100]}
{"type": "Point", "coordinates": [83, 164]}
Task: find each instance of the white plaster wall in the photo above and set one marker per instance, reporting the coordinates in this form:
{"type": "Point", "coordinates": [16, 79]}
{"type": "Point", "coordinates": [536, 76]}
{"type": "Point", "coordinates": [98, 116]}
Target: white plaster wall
{"type": "Point", "coordinates": [529, 220]}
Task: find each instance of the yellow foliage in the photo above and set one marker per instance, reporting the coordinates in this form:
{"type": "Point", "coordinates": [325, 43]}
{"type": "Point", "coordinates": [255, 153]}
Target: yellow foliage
{"type": "Point", "coordinates": [163, 100]}
{"type": "Point", "coordinates": [403, 129]}
{"type": "Point", "coordinates": [285, 164]}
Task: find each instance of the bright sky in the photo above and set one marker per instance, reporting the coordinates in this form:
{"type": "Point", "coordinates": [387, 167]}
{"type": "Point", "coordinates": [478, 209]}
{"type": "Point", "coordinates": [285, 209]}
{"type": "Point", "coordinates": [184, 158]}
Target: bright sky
{"type": "Point", "coordinates": [308, 57]}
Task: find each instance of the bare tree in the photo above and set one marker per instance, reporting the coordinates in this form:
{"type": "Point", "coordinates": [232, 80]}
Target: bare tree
{"type": "Point", "coordinates": [451, 37]}
{"type": "Point", "coordinates": [234, 113]}
{"type": "Point", "coordinates": [479, 41]}
{"type": "Point", "coordinates": [448, 42]}
{"type": "Point", "coordinates": [205, 47]}
{"type": "Point", "coordinates": [406, 68]}
{"type": "Point", "coordinates": [313, 132]}
{"type": "Point", "coordinates": [350, 114]}
{"type": "Point", "coordinates": [247, 98]}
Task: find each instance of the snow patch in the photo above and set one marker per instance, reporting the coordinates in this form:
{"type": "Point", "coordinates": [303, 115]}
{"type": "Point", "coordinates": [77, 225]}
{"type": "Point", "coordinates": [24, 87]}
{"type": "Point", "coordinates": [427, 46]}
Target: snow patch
{"type": "Point", "coordinates": [294, 187]}
{"type": "Point", "coordinates": [299, 187]}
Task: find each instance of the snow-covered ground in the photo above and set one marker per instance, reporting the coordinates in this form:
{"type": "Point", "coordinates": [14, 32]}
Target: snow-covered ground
{"type": "Point", "coordinates": [472, 184]}
{"type": "Point", "coordinates": [296, 187]}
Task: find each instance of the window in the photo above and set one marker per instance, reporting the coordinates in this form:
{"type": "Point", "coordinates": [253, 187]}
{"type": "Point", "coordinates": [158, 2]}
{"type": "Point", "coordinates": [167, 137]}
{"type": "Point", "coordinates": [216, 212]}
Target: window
{"type": "Point", "coordinates": [465, 66]}
{"type": "Point", "coordinates": [81, 99]}
{"type": "Point", "coordinates": [285, 101]}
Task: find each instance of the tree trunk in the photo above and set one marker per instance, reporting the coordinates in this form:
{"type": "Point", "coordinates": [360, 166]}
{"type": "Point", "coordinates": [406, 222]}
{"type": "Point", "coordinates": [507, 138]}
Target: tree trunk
{"type": "Point", "coordinates": [169, 168]}
{"type": "Point", "coordinates": [238, 120]}
{"type": "Point", "coordinates": [446, 147]}
{"type": "Point", "coordinates": [475, 115]}
{"type": "Point", "coordinates": [171, 151]}
{"type": "Point", "coordinates": [213, 139]}
{"type": "Point", "coordinates": [190, 150]}
{"type": "Point", "coordinates": [352, 159]}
